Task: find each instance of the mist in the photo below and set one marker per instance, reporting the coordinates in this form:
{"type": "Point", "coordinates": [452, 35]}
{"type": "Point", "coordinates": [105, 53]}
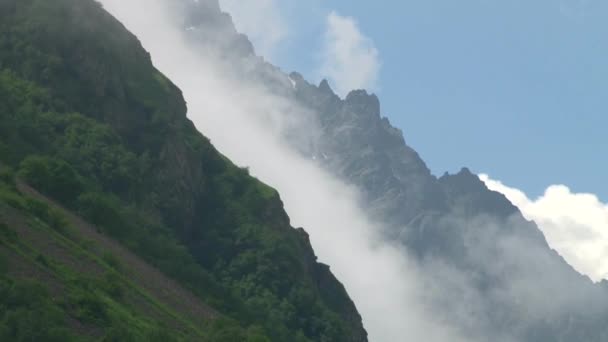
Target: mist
{"type": "Point", "coordinates": [244, 121]}
{"type": "Point", "coordinates": [399, 298]}
{"type": "Point", "coordinates": [575, 224]}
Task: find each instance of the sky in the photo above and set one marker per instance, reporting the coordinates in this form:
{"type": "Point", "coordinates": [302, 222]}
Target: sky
{"type": "Point", "coordinates": [515, 89]}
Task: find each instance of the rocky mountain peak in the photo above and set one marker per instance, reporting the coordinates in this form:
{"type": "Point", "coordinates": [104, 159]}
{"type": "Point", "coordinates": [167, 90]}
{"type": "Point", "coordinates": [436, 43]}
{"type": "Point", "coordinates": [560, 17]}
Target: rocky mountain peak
{"type": "Point", "coordinates": [360, 102]}
{"type": "Point", "coordinates": [214, 29]}
{"type": "Point", "coordinates": [325, 87]}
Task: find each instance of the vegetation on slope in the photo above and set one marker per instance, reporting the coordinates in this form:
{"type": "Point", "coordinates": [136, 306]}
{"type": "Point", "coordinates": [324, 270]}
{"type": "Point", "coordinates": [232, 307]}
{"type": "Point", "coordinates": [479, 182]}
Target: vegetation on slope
{"type": "Point", "coordinates": [62, 282]}
{"type": "Point", "coordinates": [89, 122]}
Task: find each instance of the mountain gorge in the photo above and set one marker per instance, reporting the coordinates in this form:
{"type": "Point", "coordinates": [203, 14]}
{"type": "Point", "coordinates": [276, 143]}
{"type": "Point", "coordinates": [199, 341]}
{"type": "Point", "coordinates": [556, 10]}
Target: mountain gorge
{"type": "Point", "coordinates": [119, 221]}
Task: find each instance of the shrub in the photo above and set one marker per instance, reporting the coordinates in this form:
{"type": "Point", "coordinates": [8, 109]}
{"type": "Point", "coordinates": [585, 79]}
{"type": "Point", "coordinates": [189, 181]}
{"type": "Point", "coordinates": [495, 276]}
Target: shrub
{"type": "Point", "coordinates": [38, 324]}
{"type": "Point", "coordinates": [29, 314]}
{"type": "Point", "coordinates": [42, 260]}
{"type": "Point", "coordinates": [89, 307]}
{"type": "Point", "coordinates": [37, 208]}
{"type": "Point", "coordinates": [160, 334]}
{"type": "Point", "coordinates": [112, 285]}
{"type": "Point", "coordinates": [103, 211]}
{"type": "Point", "coordinates": [53, 217]}
{"type": "Point", "coordinates": [53, 177]}
{"type": "Point", "coordinates": [120, 334]}
{"type": "Point", "coordinates": [57, 220]}
{"type": "Point", "coordinates": [7, 176]}
{"type": "Point", "coordinates": [4, 152]}
{"type": "Point", "coordinates": [3, 263]}
{"type": "Point", "coordinates": [11, 198]}
{"type": "Point", "coordinates": [8, 233]}
{"type": "Point", "coordinates": [112, 261]}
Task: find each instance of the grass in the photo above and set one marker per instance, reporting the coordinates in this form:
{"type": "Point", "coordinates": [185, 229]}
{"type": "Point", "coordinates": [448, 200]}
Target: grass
{"type": "Point", "coordinates": [105, 296]}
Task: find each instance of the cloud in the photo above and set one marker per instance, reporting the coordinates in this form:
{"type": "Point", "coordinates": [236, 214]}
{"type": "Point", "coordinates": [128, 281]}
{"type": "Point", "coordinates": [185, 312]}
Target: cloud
{"type": "Point", "coordinates": [261, 20]}
{"type": "Point", "coordinates": [574, 224]}
{"type": "Point", "coordinates": [349, 59]}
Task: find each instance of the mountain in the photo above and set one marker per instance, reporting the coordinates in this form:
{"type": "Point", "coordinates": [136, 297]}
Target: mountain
{"type": "Point", "coordinates": [119, 221]}
{"type": "Point", "coordinates": [516, 287]}
{"type": "Point", "coordinates": [489, 271]}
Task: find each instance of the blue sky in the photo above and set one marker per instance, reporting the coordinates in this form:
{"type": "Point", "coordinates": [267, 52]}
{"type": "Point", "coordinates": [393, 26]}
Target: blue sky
{"type": "Point", "coordinates": [516, 89]}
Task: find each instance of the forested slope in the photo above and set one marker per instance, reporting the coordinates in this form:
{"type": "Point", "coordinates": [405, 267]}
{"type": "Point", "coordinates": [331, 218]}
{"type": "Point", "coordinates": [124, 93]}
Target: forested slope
{"type": "Point", "coordinates": [89, 122]}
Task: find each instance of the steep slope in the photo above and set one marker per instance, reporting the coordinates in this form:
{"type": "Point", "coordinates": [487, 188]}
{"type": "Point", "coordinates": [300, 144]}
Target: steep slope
{"type": "Point", "coordinates": [85, 285]}
{"type": "Point", "coordinates": [472, 241]}
{"type": "Point", "coordinates": [88, 121]}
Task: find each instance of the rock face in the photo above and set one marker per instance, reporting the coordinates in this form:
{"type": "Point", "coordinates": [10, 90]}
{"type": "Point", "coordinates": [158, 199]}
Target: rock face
{"type": "Point", "coordinates": [361, 147]}
{"type": "Point", "coordinates": [516, 288]}
{"type": "Point", "coordinates": [505, 265]}
{"type": "Point", "coordinates": [214, 28]}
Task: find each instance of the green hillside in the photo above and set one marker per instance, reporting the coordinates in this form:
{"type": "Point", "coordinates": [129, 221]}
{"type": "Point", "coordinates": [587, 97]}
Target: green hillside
{"type": "Point", "coordinates": [161, 237]}
{"type": "Point", "coordinates": [61, 280]}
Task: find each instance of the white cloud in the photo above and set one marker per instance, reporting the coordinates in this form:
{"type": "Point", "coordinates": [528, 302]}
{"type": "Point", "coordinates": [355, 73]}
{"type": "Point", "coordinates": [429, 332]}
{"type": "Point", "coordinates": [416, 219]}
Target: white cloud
{"type": "Point", "coordinates": [574, 224]}
{"type": "Point", "coordinates": [350, 59]}
{"type": "Point", "coordinates": [261, 20]}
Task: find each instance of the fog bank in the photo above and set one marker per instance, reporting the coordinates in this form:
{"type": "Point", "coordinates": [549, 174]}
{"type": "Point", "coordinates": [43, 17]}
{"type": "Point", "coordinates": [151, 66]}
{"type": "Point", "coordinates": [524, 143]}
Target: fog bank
{"type": "Point", "coordinates": [244, 121]}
